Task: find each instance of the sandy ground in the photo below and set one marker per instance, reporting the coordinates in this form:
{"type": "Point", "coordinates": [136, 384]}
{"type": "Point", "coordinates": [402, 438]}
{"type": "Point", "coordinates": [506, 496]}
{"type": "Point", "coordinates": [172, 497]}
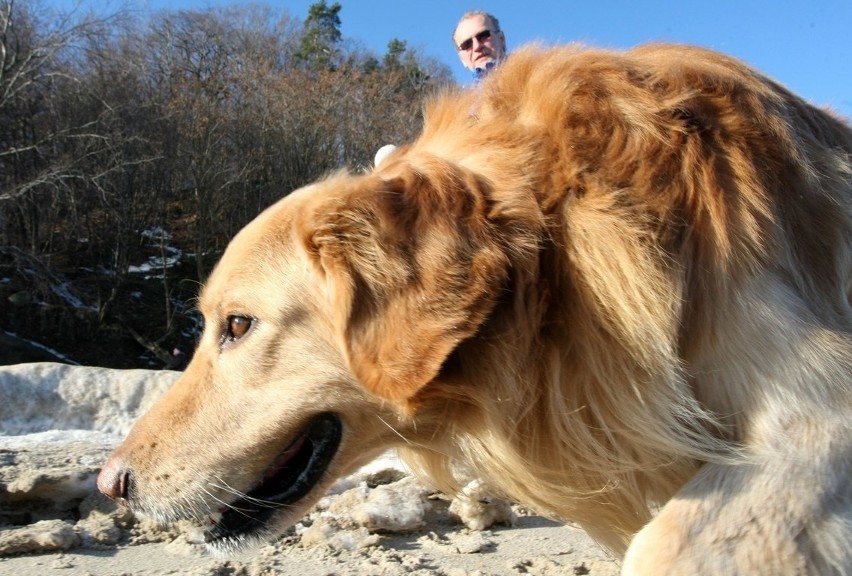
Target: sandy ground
{"type": "Point", "coordinates": [533, 546]}
{"type": "Point", "coordinates": [396, 528]}
{"type": "Point", "coordinates": [58, 425]}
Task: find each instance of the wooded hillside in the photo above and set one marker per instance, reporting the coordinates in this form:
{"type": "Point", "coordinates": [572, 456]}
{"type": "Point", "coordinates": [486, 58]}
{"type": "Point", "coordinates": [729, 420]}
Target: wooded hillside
{"type": "Point", "coordinates": [132, 148]}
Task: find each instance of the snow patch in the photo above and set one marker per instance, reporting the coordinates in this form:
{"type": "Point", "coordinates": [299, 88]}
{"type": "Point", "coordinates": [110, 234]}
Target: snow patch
{"type": "Point", "coordinates": [48, 397]}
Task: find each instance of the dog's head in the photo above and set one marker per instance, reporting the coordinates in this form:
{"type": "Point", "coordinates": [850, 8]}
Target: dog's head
{"type": "Point", "coordinates": [325, 322]}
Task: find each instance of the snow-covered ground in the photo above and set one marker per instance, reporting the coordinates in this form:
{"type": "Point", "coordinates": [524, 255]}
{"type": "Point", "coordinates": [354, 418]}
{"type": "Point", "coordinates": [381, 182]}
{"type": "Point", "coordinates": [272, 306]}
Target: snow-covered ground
{"type": "Point", "coordinates": [58, 424]}
{"type": "Point", "coordinates": [57, 400]}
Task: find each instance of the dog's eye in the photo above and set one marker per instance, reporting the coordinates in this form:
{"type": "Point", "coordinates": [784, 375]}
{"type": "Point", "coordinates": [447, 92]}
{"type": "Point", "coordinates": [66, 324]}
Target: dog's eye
{"type": "Point", "coordinates": [238, 326]}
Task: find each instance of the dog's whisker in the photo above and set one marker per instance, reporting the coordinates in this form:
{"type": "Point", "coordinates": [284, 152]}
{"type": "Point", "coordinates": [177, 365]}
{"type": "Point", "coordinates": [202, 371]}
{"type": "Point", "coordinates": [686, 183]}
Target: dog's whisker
{"type": "Point", "coordinates": [230, 505]}
{"type": "Point", "coordinates": [240, 495]}
{"type": "Point", "coordinates": [400, 434]}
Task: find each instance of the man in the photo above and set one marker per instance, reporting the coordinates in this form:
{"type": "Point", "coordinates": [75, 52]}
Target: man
{"type": "Point", "coordinates": [479, 41]}
{"type": "Point", "coordinates": [480, 44]}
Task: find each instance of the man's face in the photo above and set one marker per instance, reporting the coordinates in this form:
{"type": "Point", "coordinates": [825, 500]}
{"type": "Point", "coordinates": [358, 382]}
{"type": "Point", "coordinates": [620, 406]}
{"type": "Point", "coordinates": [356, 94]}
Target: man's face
{"type": "Point", "coordinates": [478, 47]}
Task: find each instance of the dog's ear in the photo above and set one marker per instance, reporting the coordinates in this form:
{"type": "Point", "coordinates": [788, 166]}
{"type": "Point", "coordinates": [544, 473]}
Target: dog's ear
{"type": "Point", "coordinates": [412, 267]}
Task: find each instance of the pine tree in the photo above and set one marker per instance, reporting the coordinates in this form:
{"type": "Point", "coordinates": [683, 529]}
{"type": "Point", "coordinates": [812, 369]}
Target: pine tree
{"type": "Point", "coordinates": [318, 49]}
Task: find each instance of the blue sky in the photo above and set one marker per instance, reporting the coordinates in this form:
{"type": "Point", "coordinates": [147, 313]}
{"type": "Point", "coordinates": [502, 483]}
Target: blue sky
{"type": "Point", "coordinates": [805, 45]}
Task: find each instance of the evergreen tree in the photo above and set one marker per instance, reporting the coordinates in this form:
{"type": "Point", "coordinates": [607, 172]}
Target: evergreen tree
{"type": "Point", "coordinates": [392, 59]}
{"type": "Point", "coordinates": [318, 49]}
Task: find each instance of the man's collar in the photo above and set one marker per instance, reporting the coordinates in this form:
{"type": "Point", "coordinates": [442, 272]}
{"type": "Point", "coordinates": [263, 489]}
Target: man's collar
{"type": "Point", "coordinates": [482, 71]}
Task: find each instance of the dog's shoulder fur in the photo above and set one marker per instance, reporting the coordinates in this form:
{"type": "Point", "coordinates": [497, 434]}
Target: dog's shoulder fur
{"type": "Point", "coordinates": [647, 257]}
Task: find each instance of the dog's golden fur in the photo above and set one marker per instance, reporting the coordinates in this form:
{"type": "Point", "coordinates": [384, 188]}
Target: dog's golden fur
{"type": "Point", "coordinates": [607, 283]}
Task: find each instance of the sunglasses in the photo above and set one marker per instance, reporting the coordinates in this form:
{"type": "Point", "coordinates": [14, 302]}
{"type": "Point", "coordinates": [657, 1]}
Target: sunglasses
{"type": "Point", "coordinates": [480, 37]}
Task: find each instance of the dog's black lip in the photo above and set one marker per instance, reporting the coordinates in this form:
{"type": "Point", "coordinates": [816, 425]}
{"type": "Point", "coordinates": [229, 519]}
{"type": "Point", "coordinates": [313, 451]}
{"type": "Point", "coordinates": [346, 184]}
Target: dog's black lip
{"type": "Point", "coordinates": [284, 483]}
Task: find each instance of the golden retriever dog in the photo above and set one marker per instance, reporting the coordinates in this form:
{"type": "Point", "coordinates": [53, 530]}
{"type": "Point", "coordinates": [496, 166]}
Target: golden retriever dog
{"type": "Point", "coordinates": [614, 286]}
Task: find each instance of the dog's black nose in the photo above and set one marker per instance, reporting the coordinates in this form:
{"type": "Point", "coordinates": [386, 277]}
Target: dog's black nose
{"type": "Point", "coordinates": [115, 479]}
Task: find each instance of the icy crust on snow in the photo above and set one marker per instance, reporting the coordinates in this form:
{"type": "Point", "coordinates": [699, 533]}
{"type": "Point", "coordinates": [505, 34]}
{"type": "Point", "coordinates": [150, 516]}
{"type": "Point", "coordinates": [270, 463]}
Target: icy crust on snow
{"type": "Point", "coordinates": [49, 400]}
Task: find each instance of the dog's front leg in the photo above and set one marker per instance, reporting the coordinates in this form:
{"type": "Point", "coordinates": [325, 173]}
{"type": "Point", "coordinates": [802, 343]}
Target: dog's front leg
{"type": "Point", "coordinates": [789, 513]}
